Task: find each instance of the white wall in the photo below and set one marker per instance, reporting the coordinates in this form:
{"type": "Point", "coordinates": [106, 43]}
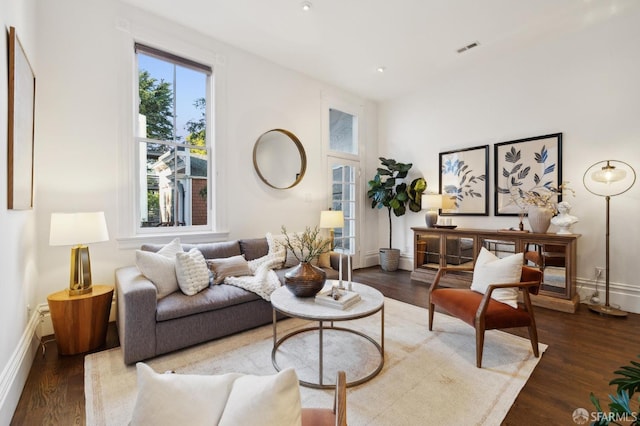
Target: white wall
{"type": "Point", "coordinates": [584, 84]}
{"type": "Point", "coordinates": [83, 67]}
{"type": "Point", "coordinates": [17, 229]}
{"type": "Point", "coordinates": [81, 122]}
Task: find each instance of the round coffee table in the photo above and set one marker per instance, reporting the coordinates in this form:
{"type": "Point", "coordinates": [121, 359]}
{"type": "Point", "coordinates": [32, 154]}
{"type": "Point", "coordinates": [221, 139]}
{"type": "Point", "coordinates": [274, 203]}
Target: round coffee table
{"type": "Point", "coordinates": [372, 301]}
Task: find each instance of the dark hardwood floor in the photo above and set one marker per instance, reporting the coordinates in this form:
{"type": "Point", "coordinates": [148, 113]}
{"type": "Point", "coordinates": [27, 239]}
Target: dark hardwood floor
{"type": "Point", "coordinates": [584, 350]}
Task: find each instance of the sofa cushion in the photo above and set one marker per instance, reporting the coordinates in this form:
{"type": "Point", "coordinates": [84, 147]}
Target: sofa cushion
{"type": "Point", "coordinates": [159, 267]}
{"type": "Point", "coordinates": [324, 260]}
{"type": "Point", "coordinates": [192, 272]}
{"type": "Point", "coordinates": [208, 250]}
{"type": "Point", "coordinates": [254, 248]}
{"type": "Point", "coordinates": [235, 266]}
{"type": "Point", "coordinates": [178, 305]}
{"type": "Point", "coordinates": [218, 250]}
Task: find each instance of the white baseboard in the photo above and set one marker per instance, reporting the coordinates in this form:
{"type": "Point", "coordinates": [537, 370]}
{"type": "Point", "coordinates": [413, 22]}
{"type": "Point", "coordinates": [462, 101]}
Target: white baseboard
{"type": "Point", "coordinates": [373, 259]}
{"type": "Point", "coordinates": [15, 373]}
{"type": "Point", "coordinates": [624, 296]}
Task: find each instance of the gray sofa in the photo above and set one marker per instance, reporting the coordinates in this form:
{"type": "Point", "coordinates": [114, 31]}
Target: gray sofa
{"type": "Point", "coordinates": [148, 327]}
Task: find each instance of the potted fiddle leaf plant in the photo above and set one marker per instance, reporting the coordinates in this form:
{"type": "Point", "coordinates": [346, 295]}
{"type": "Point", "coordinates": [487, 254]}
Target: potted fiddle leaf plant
{"type": "Point", "coordinates": [389, 190]}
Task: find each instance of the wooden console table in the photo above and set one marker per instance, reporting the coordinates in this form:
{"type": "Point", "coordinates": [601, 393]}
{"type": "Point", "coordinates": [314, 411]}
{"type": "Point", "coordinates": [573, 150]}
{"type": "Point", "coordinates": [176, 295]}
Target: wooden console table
{"type": "Point", "coordinates": [80, 322]}
{"type": "Point", "coordinates": [555, 254]}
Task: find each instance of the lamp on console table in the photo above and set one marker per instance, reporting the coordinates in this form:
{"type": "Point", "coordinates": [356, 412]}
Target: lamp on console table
{"type": "Point", "coordinates": [431, 203]}
{"type": "Point", "coordinates": [77, 230]}
{"type": "Point", "coordinates": [331, 219]}
{"type": "Point", "coordinates": [607, 179]}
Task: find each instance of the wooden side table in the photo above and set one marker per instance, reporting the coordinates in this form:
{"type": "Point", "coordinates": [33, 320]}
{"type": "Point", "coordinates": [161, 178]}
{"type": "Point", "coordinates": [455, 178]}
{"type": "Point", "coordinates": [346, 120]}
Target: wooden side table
{"type": "Point", "coordinates": [80, 322]}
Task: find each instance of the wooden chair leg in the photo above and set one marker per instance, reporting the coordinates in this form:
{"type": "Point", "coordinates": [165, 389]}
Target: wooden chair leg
{"type": "Point", "coordinates": [340, 401]}
{"type": "Point", "coordinates": [432, 308]}
{"type": "Point", "coordinates": [479, 345]}
{"type": "Point", "coordinates": [533, 336]}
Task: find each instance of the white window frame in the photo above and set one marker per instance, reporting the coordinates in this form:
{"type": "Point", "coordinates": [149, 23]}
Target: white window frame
{"type": "Point", "coordinates": [137, 140]}
{"type": "Point", "coordinates": [193, 46]}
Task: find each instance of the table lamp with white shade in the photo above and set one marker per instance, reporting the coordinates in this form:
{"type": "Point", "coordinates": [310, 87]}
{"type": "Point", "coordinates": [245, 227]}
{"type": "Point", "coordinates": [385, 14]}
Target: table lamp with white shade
{"type": "Point", "coordinates": [432, 203]}
{"type": "Point", "coordinates": [77, 230]}
{"type": "Point", "coordinates": [331, 219]}
{"type": "Point", "coordinates": [607, 179]}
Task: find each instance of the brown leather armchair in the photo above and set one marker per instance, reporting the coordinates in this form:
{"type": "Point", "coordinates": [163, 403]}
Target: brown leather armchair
{"type": "Point", "coordinates": [482, 312]}
{"type": "Point", "coordinates": [327, 416]}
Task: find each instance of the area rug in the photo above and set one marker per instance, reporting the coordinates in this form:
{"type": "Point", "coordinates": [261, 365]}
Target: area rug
{"type": "Point", "coordinates": [428, 378]}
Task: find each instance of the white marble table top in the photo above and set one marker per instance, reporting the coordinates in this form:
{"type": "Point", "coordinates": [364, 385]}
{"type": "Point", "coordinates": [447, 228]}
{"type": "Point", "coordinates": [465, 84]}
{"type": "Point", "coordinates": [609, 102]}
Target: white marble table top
{"type": "Point", "coordinates": [305, 307]}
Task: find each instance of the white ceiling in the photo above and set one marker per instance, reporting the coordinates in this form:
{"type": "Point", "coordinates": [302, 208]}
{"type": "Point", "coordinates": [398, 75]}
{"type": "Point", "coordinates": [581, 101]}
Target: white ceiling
{"type": "Point", "coordinates": [343, 42]}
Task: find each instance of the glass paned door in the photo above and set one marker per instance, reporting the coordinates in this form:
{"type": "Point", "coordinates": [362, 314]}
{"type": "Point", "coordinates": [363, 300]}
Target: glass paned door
{"type": "Point", "coordinates": [342, 145]}
{"type": "Point", "coordinates": [344, 184]}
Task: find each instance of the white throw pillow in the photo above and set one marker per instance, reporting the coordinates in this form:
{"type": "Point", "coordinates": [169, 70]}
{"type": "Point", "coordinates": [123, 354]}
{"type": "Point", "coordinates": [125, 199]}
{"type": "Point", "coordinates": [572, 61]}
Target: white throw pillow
{"type": "Point", "coordinates": [159, 267]}
{"type": "Point", "coordinates": [192, 272]}
{"type": "Point", "coordinates": [276, 248]}
{"type": "Point", "coordinates": [180, 399]}
{"type": "Point", "coordinates": [264, 400]}
{"type": "Point", "coordinates": [490, 269]}
{"type": "Point", "coordinates": [170, 249]}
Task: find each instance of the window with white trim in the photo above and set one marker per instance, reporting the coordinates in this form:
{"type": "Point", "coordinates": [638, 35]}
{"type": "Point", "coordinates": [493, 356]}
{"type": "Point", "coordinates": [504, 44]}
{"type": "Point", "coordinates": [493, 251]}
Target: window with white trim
{"type": "Point", "coordinates": [172, 140]}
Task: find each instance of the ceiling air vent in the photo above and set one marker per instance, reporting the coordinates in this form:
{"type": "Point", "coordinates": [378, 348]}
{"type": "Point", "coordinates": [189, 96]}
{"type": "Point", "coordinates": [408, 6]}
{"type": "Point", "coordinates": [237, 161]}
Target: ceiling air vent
{"type": "Point", "coordinates": [468, 46]}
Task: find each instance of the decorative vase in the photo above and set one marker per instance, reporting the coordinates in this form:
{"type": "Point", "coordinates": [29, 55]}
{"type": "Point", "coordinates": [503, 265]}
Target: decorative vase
{"type": "Point", "coordinates": [539, 219]}
{"type": "Point", "coordinates": [389, 259]}
{"type": "Point", "coordinates": [305, 280]}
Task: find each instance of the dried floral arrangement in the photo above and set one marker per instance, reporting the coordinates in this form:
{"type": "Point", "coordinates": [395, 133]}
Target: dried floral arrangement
{"type": "Point", "coordinates": [306, 246]}
{"type": "Point", "coordinates": [546, 199]}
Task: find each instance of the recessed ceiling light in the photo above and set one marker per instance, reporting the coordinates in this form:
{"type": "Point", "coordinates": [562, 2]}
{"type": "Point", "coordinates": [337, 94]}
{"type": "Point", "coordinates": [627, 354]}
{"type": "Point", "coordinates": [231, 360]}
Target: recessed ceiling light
{"type": "Point", "coordinates": [306, 6]}
{"type": "Point", "coordinates": [381, 69]}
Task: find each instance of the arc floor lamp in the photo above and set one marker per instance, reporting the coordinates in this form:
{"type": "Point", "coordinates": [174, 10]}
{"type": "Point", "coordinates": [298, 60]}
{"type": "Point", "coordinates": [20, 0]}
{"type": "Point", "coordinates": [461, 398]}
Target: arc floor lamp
{"type": "Point", "coordinates": [607, 179]}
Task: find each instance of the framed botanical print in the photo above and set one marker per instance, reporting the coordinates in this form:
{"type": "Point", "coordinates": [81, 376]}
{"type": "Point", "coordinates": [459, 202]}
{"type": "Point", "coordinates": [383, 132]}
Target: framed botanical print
{"type": "Point", "coordinates": [531, 165]}
{"type": "Point", "coordinates": [464, 181]}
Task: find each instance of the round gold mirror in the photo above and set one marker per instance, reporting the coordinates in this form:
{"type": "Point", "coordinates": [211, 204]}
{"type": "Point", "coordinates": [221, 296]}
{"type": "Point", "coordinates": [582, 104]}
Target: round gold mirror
{"type": "Point", "coordinates": [279, 159]}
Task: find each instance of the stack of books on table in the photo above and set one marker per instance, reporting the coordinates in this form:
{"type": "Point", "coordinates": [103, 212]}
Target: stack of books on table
{"type": "Point", "coordinates": [345, 298]}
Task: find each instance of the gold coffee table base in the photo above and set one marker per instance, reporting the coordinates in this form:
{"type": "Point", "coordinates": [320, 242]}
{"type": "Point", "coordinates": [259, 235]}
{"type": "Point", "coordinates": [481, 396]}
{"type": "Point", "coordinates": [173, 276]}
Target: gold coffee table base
{"type": "Point", "coordinates": [371, 302]}
{"type": "Point", "coordinates": [320, 329]}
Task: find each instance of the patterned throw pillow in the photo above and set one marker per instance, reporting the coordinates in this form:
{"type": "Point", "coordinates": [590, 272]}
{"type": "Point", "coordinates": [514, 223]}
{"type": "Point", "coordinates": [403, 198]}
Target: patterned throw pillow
{"type": "Point", "coordinates": [192, 272]}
